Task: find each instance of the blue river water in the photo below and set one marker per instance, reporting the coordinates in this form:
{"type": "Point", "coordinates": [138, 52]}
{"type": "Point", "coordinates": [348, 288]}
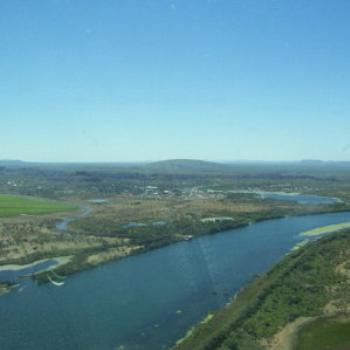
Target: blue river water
{"type": "Point", "coordinates": [150, 300]}
{"type": "Point", "coordinates": [63, 225]}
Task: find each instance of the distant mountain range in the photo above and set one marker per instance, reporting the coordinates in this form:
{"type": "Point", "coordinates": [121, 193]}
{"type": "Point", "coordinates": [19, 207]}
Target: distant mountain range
{"type": "Point", "coordinates": [11, 162]}
{"type": "Point", "coordinates": [183, 166]}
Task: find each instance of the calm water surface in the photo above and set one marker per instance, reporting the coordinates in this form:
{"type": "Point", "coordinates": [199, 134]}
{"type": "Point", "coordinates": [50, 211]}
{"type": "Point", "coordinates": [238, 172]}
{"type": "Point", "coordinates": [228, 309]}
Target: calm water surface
{"type": "Point", "coordinates": [299, 198]}
{"type": "Point", "coordinates": [150, 300]}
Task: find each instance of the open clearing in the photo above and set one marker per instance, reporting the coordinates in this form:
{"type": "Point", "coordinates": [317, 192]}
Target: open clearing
{"type": "Point", "coordinates": [324, 334]}
{"type": "Point", "coordinates": [11, 205]}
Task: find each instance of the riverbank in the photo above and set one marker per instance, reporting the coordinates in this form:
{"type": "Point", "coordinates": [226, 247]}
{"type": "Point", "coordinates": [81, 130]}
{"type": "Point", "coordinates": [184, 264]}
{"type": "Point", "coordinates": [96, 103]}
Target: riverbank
{"type": "Point", "coordinates": [58, 261]}
{"type": "Point", "coordinates": [111, 230]}
{"type": "Point", "coordinates": [175, 287]}
{"type": "Point", "coordinates": [95, 257]}
{"type": "Point", "coordinates": [312, 282]}
{"type": "Point", "coordinates": [326, 229]}
{"type": "Point", "coordinates": [91, 256]}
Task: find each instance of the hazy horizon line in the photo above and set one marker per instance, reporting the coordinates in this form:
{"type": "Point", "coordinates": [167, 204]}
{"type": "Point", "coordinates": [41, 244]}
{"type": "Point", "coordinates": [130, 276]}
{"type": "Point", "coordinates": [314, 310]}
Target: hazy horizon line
{"type": "Point", "coordinates": [169, 159]}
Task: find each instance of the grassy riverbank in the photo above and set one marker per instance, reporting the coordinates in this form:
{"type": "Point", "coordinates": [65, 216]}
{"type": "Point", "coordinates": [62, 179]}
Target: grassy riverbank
{"type": "Point", "coordinates": [327, 229]}
{"type": "Point", "coordinates": [309, 284]}
{"type": "Point", "coordinates": [157, 223]}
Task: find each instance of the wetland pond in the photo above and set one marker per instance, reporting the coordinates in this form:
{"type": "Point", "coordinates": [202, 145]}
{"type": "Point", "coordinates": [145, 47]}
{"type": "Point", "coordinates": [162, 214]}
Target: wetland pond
{"type": "Point", "coordinates": [292, 197]}
{"type": "Point", "coordinates": [299, 198]}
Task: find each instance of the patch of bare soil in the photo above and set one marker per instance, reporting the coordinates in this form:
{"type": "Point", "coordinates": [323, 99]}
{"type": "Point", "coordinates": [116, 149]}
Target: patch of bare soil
{"type": "Point", "coordinates": [284, 339]}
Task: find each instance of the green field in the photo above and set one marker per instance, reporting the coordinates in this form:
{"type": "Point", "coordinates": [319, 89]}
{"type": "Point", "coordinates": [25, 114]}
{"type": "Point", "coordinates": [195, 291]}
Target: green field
{"type": "Point", "coordinates": [325, 334]}
{"type": "Point", "coordinates": [326, 229]}
{"type": "Point", "coordinates": [16, 205]}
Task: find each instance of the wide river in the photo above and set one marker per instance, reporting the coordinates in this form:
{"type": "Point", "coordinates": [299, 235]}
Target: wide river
{"type": "Point", "coordinates": [148, 301]}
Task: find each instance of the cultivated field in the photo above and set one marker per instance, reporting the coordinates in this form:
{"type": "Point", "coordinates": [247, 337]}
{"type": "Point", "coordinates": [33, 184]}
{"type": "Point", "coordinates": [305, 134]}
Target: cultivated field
{"type": "Point", "coordinates": [11, 205]}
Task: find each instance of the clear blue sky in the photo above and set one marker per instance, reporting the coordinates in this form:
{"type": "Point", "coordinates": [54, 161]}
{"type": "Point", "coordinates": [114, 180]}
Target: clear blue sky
{"type": "Point", "coordinates": [119, 80]}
